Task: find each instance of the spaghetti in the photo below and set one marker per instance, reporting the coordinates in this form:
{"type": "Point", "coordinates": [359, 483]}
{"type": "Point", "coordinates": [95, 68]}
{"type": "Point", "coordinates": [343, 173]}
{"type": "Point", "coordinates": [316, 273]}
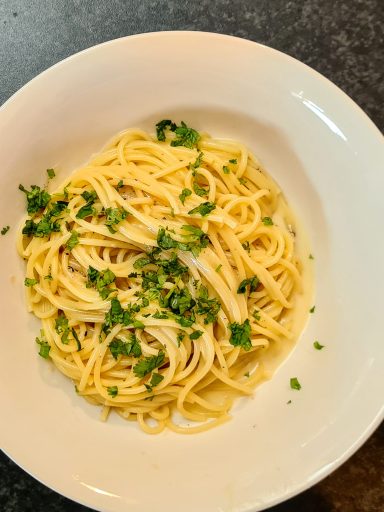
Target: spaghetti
{"type": "Point", "coordinates": [164, 272]}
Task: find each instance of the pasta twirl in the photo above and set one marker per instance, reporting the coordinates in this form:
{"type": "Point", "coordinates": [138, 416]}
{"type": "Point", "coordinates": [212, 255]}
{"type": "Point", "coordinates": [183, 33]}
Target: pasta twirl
{"type": "Point", "coordinates": [165, 274]}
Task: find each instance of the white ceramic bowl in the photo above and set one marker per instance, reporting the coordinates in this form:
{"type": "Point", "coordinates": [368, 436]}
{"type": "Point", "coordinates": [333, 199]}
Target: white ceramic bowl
{"type": "Point", "coordinates": [327, 156]}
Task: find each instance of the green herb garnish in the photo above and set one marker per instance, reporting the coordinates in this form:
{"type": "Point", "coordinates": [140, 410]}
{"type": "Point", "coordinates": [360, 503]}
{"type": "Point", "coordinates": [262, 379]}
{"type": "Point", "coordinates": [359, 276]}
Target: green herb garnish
{"type": "Point", "coordinates": [72, 241]}
{"type": "Point", "coordinates": [148, 364]}
{"type": "Point", "coordinates": [161, 126]}
{"type": "Point", "coordinates": [87, 209]}
{"type": "Point", "coordinates": [44, 346]}
{"type": "Point", "coordinates": [226, 169]}
{"type": "Point", "coordinates": [37, 198]}
{"type": "Point", "coordinates": [184, 194]}
{"type": "Point", "coordinates": [195, 335]}
{"type": "Point", "coordinates": [206, 306]}
{"type": "Point", "coordinates": [155, 380]}
{"type": "Point", "coordinates": [203, 209]}
{"type": "Point", "coordinates": [312, 310]}
{"type": "Point", "coordinates": [100, 281]}
{"type": "Point", "coordinates": [253, 283]}
{"type": "Point", "coordinates": [267, 221]}
{"type": "Point", "coordinates": [125, 348]}
{"type": "Point", "coordinates": [62, 327]}
{"type": "Point", "coordinates": [114, 216]}
{"type": "Point", "coordinates": [30, 282]}
{"type": "Point", "coordinates": [51, 174]}
{"type": "Point", "coordinates": [240, 335]}
{"type": "Point", "coordinates": [5, 230]}
{"type": "Point", "coordinates": [185, 136]}
{"type": "Point", "coordinates": [113, 391]}
{"type": "Point", "coordinates": [295, 384]}
{"type": "Point", "coordinates": [233, 161]}
{"type": "Point", "coordinates": [318, 346]}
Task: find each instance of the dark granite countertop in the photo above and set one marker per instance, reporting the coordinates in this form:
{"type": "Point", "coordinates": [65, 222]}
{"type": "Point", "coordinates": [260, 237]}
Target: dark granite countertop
{"type": "Point", "coordinates": [343, 39]}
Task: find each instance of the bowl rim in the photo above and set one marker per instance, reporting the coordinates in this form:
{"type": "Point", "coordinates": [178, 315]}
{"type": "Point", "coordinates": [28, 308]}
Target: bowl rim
{"type": "Point", "coordinates": [274, 53]}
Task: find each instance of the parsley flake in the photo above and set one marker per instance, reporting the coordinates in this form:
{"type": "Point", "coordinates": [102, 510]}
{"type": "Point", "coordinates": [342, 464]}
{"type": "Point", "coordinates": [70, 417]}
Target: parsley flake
{"type": "Point", "coordinates": [184, 194]}
{"type": "Point", "coordinates": [253, 283]}
{"type": "Point", "coordinates": [5, 230]}
{"type": "Point", "coordinates": [148, 364]}
{"type": "Point", "coordinates": [113, 391]}
{"type": "Point", "coordinates": [161, 126]}
{"type": "Point", "coordinates": [51, 174]}
{"type": "Point", "coordinates": [72, 241]}
{"type": "Point", "coordinates": [44, 346]}
{"type": "Point", "coordinates": [295, 384]}
{"type": "Point", "coordinates": [318, 346]}
{"type": "Point", "coordinates": [312, 310]}
{"type": "Point", "coordinates": [241, 335]}
{"type": "Point", "coordinates": [233, 161]}
{"type": "Point", "coordinates": [114, 216]}
{"type": "Point", "coordinates": [185, 136]}
{"type": "Point", "coordinates": [267, 221]}
{"type": "Point", "coordinates": [195, 335]}
{"type": "Point", "coordinates": [30, 282]}
{"type": "Point", "coordinates": [226, 169]}
{"type": "Point", "coordinates": [37, 199]}
{"type": "Point", "coordinates": [125, 348]}
{"type": "Point", "coordinates": [203, 209]}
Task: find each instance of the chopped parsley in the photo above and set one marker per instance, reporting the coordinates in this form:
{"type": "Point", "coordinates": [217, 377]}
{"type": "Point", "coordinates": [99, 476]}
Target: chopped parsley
{"type": "Point", "coordinates": [203, 209]}
{"type": "Point", "coordinates": [185, 136]}
{"type": "Point", "coordinates": [253, 283]}
{"type": "Point", "coordinates": [87, 209]}
{"type": "Point", "coordinates": [120, 184]}
{"type": "Point", "coordinates": [256, 315]}
{"type": "Point", "coordinates": [155, 380]}
{"type": "Point", "coordinates": [218, 268]}
{"type": "Point", "coordinates": [160, 315]}
{"type": "Point", "coordinates": [180, 301]}
{"type": "Point", "coordinates": [242, 181]}
{"type": "Point", "coordinates": [72, 241]}
{"type": "Point", "coordinates": [113, 391]}
{"type": "Point", "coordinates": [118, 315]}
{"type": "Point", "coordinates": [125, 348]}
{"type": "Point", "coordinates": [184, 194]}
{"type": "Point", "coordinates": [44, 346]}
{"type": "Point", "coordinates": [37, 198]}
{"type": "Point", "coordinates": [317, 345]}
{"type": "Point", "coordinates": [179, 338]}
{"type": "Point", "coordinates": [246, 374]}
{"type": "Point", "coordinates": [195, 335]}
{"type": "Point", "coordinates": [240, 335]}
{"type": "Point", "coordinates": [233, 161]}
{"type": "Point", "coordinates": [100, 281]}
{"type": "Point", "coordinates": [148, 364]}
{"type": "Point", "coordinates": [197, 163]}
{"type": "Point", "coordinates": [48, 277]}
{"type": "Point", "coordinates": [208, 307]}
{"type": "Point", "coordinates": [311, 257]}
{"type": "Point", "coordinates": [51, 174]}
{"type": "Point", "coordinates": [267, 221]}
{"type": "Point", "coordinates": [161, 126]}
{"type": "Point", "coordinates": [312, 310]}
{"type": "Point", "coordinates": [195, 240]}
{"type": "Point", "coordinates": [62, 327]}
{"type": "Point", "coordinates": [5, 230]}
{"type": "Point", "coordinates": [295, 384]}
{"type": "Point", "coordinates": [47, 224]}
{"type": "Point", "coordinates": [30, 282]}
{"type": "Point", "coordinates": [114, 216]}
{"type": "Point", "coordinates": [74, 334]}
{"type": "Point", "coordinates": [246, 246]}
{"type": "Point", "coordinates": [226, 169]}
{"type": "Point", "coordinates": [200, 191]}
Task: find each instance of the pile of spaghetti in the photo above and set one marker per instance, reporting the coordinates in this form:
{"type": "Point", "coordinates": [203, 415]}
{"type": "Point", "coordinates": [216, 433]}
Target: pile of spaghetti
{"type": "Point", "coordinates": [162, 271]}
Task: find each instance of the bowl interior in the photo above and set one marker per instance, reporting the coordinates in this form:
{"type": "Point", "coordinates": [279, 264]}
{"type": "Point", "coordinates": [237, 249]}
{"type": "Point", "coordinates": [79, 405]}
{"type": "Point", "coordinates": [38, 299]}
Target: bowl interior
{"type": "Point", "coordinates": [328, 159]}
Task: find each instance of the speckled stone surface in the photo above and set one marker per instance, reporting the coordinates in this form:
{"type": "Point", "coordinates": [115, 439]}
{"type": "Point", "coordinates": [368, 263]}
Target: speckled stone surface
{"type": "Point", "coordinates": [343, 39]}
